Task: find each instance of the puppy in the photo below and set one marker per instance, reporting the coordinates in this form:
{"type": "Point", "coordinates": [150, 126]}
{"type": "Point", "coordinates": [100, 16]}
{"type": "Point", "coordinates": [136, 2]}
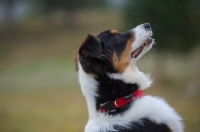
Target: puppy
{"type": "Point", "coordinates": [113, 86]}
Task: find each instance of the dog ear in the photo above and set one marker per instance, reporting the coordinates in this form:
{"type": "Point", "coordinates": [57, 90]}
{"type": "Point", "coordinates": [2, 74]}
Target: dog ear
{"type": "Point", "coordinates": [91, 47]}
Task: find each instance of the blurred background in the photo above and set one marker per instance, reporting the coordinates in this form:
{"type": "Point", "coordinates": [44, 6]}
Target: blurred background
{"type": "Point", "coordinates": [39, 90]}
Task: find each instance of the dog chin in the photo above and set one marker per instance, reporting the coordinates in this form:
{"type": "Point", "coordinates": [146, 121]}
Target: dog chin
{"type": "Point", "coordinates": [143, 49]}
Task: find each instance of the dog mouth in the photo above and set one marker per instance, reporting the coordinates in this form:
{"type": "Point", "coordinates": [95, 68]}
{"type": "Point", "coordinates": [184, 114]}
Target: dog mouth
{"type": "Point", "coordinates": [136, 52]}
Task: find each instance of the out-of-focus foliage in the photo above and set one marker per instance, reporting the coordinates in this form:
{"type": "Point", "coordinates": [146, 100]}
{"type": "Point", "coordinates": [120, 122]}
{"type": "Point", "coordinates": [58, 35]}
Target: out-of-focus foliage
{"type": "Point", "coordinates": [68, 5]}
{"type": "Point", "coordinates": [175, 23]}
{"type": "Point", "coordinates": [65, 10]}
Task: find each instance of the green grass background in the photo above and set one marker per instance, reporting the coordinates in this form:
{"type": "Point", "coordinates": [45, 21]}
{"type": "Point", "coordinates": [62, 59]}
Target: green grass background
{"type": "Point", "coordinates": [39, 90]}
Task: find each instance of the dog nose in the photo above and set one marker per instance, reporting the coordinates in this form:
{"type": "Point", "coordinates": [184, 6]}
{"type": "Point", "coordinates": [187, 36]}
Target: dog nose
{"type": "Point", "coordinates": [147, 25]}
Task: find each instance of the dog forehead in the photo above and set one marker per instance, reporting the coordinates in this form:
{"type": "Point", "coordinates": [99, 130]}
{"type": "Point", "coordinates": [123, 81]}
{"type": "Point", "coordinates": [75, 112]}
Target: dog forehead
{"type": "Point", "coordinates": [104, 34]}
{"type": "Point", "coordinates": [107, 37]}
{"type": "Point", "coordinates": [114, 34]}
{"type": "Point", "coordinates": [115, 42]}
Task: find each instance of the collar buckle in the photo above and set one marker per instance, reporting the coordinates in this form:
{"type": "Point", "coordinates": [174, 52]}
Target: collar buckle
{"type": "Point", "coordinates": [107, 107]}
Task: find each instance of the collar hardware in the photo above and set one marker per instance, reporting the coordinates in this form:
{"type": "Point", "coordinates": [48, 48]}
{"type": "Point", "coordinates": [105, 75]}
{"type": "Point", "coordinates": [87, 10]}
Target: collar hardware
{"type": "Point", "coordinates": [111, 106]}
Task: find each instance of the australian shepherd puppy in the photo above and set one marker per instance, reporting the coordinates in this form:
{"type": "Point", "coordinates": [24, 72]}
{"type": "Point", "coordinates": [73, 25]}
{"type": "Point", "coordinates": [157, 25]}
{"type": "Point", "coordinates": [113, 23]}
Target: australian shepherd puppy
{"type": "Point", "coordinates": [113, 86]}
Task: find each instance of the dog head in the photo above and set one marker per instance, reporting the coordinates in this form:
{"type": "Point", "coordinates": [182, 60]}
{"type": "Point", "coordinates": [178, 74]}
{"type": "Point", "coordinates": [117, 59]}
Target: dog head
{"type": "Point", "coordinates": [112, 52]}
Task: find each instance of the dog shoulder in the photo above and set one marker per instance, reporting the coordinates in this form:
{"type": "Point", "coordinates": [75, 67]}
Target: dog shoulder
{"type": "Point", "coordinates": [156, 109]}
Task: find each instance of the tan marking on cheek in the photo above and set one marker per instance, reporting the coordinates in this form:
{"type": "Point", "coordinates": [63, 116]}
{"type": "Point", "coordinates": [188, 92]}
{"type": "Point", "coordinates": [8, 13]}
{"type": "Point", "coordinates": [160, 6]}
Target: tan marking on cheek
{"type": "Point", "coordinates": [114, 31]}
{"type": "Point", "coordinates": [121, 63]}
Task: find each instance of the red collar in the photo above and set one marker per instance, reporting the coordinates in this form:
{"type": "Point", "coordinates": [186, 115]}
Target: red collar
{"type": "Point", "coordinates": [111, 106]}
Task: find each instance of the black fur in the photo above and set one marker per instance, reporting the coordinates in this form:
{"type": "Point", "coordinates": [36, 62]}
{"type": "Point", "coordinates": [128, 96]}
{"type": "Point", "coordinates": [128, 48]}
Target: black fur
{"type": "Point", "coordinates": [88, 46]}
{"type": "Point", "coordinates": [114, 42]}
{"type": "Point", "coordinates": [145, 125]}
{"type": "Point", "coordinates": [95, 56]}
{"type": "Point", "coordinates": [110, 89]}
{"type": "Point", "coordinates": [97, 65]}
{"type": "Point", "coordinates": [95, 53]}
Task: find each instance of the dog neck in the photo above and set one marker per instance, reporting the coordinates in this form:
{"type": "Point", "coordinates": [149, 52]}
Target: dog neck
{"type": "Point", "coordinates": [98, 89]}
{"type": "Point", "coordinates": [133, 75]}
